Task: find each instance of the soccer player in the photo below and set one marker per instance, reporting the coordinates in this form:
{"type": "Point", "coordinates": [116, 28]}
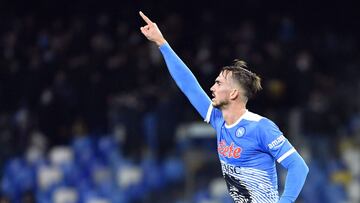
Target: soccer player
{"type": "Point", "coordinates": [248, 144]}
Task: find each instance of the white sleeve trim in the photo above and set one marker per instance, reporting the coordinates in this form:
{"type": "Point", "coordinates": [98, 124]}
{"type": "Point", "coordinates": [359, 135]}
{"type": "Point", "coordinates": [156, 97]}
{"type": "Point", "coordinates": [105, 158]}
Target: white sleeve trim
{"type": "Point", "coordinates": [208, 114]}
{"type": "Point", "coordinates": [288, 153]}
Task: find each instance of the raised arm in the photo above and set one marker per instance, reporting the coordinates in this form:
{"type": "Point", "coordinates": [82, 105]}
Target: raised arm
{"type": "Point", "coordinates": [182, 75]}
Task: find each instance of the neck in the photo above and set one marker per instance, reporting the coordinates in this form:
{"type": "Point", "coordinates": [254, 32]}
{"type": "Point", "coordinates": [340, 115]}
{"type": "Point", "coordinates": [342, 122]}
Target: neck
{"type": "Point", "coordinates": [233, 112]}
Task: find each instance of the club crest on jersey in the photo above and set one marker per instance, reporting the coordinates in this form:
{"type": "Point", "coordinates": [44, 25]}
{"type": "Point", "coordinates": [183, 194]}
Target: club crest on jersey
{"type": "Point", "coordinates": [240, 132]}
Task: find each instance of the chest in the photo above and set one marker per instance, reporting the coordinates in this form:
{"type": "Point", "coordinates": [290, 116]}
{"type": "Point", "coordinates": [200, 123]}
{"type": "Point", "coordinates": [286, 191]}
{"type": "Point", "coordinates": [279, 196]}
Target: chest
{"type": "Point", "coordinates": [237, 142]}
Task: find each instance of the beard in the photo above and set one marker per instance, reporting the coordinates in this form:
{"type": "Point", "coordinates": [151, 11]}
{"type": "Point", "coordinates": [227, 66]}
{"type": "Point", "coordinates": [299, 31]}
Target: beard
{"type": "Point", "coordinates": [219, 104]}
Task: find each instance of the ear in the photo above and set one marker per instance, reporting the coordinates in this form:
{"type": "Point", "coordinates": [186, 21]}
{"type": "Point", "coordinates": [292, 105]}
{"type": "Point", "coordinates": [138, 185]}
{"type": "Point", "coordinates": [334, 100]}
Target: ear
{"type": "Point", "coordinates": [234, 94]}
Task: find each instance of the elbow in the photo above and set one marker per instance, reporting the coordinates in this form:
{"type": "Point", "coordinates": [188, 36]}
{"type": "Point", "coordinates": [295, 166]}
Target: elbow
{"type": "Point", "coordinates": [306, 168]}
{"type": "Point", "coordinates": [303, 167]}
{"type": "Point", "coordinates": [300, 165]}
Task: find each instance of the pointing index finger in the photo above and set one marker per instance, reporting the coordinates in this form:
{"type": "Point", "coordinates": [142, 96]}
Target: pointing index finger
{"type": "Point", "coordinates": [145, 18]}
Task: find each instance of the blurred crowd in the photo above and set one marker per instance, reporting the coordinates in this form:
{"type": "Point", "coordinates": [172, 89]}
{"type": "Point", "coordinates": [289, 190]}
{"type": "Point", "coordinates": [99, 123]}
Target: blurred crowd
{"type": "Point", "coordinates": [85, 75]}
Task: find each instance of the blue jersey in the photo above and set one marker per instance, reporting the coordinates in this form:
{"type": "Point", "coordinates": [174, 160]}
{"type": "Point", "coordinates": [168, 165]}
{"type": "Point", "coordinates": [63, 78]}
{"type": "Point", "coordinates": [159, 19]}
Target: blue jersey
{"type": "Point", "coordinates": [247, 151]}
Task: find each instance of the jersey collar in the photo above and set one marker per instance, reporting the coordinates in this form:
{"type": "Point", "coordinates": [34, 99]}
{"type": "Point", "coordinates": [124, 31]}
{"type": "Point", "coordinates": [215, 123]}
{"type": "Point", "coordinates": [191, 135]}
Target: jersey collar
{"type": "Point", "coordinates": [238, 121]}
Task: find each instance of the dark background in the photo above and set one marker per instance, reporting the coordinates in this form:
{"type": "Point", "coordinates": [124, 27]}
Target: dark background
{"type": "Point", "coordinates": [80, 73]}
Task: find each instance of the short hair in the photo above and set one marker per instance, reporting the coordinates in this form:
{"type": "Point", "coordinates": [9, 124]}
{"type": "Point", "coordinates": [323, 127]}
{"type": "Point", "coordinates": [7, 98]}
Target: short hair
{"type": "Point", "coordinates": [249, 81]}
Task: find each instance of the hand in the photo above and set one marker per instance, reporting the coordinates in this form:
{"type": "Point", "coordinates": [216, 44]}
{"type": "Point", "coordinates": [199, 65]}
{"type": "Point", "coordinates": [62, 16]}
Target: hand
{"type": "Point", "coordinates": [151, 31]}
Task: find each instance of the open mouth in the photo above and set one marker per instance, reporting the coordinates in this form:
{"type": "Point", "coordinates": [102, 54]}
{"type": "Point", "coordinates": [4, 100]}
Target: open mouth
{"type": "Point", "coordinates": [213, 97]}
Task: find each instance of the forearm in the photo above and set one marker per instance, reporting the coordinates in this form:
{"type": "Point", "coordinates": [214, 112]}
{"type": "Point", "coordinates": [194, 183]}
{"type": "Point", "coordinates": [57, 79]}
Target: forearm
{"type": "Point", "coordinates": [185, 80]}
{"type": "Point", "coordinates": [297, 171]}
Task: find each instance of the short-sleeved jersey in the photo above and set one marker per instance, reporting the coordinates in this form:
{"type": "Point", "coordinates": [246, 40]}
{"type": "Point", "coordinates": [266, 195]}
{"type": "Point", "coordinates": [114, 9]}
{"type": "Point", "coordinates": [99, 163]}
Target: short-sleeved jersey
{"type": "Point", "coordinates": [247, 150]}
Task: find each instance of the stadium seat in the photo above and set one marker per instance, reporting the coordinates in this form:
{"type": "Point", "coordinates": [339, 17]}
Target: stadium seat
{"type": "Point", "coordinates": [98, 200]}
{"type": "Point", "coordinates": [201, 196]}
{"type": "Point", "coordinates": [84, 150]}
{"type": "Point", "coordinates": [108, 149]}
{"type": "Point", "coordinates": [18, 178]}
{"type": "Point", "coordinates": [128, 175]}
{"type": "Point", "coordinates": [61, 155]}
{"type": "Point", "coordinates": [217, 188]}
{"type": "Point", "coordinates": [48, 176]}
{"type": "Point", "coordinates": [65, 195]}
{"type": "Point", "coordinates": [155, 179]}
{"type": "Point", "coordinates": [174, 169]}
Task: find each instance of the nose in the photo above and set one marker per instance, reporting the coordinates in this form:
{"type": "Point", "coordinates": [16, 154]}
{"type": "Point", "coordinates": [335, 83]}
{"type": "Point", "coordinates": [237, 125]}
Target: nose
{"type": "Point", "coordinates": [212, 88]}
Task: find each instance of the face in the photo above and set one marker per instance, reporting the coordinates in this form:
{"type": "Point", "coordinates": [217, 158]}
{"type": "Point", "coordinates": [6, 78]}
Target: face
{"type": "Point", "coordinates": [221, 90]}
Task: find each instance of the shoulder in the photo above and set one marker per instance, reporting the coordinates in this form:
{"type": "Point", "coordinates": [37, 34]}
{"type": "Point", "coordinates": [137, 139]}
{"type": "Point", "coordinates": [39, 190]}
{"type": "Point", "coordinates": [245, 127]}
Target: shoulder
{"type": "Point", "coordinates": [266, 123]}
{"type": "Point", "coordinates": [263, 124]}
{"type": "Point", "coordinates": [250, 116]}
{"type": "Point", "coordinates": [260, 121]}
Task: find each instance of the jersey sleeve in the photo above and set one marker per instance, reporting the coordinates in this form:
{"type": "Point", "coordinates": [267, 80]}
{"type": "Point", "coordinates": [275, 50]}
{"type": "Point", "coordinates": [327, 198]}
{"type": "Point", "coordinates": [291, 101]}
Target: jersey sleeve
{"type": "Point", "coordinates": [213, 116]}
{"type": "Point", "coordinates": [297, 171]}
{"type": "Point", "coordinates": [273, 141]}
{"type": "Point", "coordinates": [186, 80]}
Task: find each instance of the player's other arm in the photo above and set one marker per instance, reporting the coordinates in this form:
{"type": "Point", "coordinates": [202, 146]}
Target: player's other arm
{"type": "Point", "coordinates": [182, 75]}
{"type": "Point", "coordinates": [280, 148]}
{"type": "Point", "coordinates": [297, 171]}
